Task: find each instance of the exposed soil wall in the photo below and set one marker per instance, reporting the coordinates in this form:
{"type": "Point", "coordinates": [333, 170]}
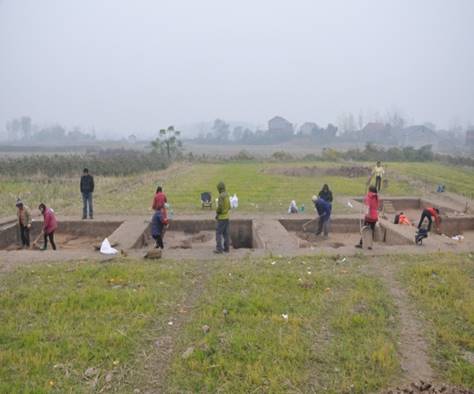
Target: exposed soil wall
{"type": "Point", "coordinates": [242, 232]}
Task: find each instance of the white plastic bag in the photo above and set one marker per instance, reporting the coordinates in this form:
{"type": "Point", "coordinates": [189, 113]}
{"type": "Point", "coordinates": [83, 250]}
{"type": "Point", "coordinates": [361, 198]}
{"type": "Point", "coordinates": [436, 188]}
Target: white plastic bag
{"type": "Point", "coordinates": [234, 201]}
{"type": "Point", "coordinates": [106, 248]}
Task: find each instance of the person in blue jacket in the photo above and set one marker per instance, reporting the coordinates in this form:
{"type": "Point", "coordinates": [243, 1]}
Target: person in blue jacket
{"type": "Point", "coordinates": [158, 223]}
{"type": "Point", "coordinates": [324, 209]}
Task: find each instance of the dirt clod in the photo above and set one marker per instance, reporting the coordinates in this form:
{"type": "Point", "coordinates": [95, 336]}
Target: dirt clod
{"type": "Point", "coordinates": [428, 388]}
{"type": "Point", "coordinates": [153, 254]}
{"type": "Point", "coordinates": [188, 352]}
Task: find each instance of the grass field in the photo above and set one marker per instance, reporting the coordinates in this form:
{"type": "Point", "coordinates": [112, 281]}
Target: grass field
{"type": "Point", "coordinates": [66, 327]}
{"type": "Point", "coordinates": [444, 290]}
{"type": "Point", "coordinates": [258, 189]}
{"type": "Point", "coordinates": [337, 336]}
{"type": "Point", "coordinates": [87, 327]}
{"type": "Point", "coordinates": [457, 179]}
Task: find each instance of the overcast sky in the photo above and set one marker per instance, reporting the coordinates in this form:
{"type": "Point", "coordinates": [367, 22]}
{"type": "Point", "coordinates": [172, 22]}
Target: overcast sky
{"type": "Point", "coordinates": [136, 66]}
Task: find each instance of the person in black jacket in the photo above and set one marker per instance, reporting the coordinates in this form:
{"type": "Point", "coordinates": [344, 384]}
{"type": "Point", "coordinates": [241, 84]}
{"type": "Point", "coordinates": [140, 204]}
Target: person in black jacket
{"type": "Point", "coordinates": [87, 188]}
{"type": "Point", "coordinates": [325, 193]}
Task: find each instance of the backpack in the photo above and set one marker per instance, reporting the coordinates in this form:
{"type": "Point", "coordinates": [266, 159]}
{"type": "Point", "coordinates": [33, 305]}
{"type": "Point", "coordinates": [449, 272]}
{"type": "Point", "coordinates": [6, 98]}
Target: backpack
{"type": "Point", "coordinates": [421, 234]}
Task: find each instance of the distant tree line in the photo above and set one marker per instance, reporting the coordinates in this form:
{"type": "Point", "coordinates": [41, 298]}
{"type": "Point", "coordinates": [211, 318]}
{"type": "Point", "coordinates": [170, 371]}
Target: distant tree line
{"type": "Point", "coordinates": [392, 129]}
{"type": "Point", "coordinates": [24, 130]}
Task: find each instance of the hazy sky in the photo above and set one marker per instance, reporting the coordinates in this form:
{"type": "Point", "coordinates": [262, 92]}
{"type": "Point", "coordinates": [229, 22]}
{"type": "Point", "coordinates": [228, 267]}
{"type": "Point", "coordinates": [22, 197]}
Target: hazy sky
{"type": "Point", "coordinates": [136, 65]}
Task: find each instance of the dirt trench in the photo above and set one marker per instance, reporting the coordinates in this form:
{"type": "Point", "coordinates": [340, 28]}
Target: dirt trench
{"type": "Point", "coordinates": [151, 376]}
{"type": "Point", "coordinates": [413, 347]}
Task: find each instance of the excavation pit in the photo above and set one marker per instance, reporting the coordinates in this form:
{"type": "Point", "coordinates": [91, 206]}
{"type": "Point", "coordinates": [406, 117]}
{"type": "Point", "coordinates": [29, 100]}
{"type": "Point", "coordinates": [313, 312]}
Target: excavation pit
{"type": "Point", "coordinates": [343, 231]}
{"type": "Point", "coordinates": [70, 235]}
{"type": "Point", "coordinates": [461, 225]}
{"type": "Point", "coordinates": [200, 234]}
{"type": "Point", "coordinates": [410, 206]}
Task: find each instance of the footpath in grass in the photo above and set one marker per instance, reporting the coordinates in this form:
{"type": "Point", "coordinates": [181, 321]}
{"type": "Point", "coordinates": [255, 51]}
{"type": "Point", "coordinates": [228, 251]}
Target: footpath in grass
{"type": "Point", "coordinates": [75, 327]}
{"type": "Point", "coordinates": [299, 325]}
{"type": "Point", "coordinates": [443, 288]}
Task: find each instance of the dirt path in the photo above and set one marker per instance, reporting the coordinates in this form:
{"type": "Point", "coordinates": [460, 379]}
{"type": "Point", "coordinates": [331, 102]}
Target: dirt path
{"type": "Point", "coordinates": [413, 347]}
{"type": "Point", "coordinates": [150, 376]}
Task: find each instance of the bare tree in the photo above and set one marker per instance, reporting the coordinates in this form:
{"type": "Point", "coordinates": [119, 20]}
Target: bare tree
{"type": "Point", "coordinates": [168, 142]}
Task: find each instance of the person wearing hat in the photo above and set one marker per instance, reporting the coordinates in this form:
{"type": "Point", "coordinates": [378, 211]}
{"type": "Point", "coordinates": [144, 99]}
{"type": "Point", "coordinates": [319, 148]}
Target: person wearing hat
{"type": "Point", "coordinates": [222, 218]}
{"type": "Point", "coordinates": [24, 222]}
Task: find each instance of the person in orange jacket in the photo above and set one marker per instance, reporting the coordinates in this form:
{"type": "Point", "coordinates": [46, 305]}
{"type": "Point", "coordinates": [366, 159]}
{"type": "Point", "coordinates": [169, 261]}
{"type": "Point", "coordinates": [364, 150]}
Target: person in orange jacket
{"type": "Point", "coordinates": [401, 218]}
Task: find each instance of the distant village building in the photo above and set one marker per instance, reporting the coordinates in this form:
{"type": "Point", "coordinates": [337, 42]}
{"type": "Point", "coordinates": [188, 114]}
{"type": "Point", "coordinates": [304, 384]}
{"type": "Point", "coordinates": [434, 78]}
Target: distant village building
{"type": "Point", "coordinates": [280, 126]}
{"type": "Point", "coordinates": [470, 138]}
{"type": "Point", "coordinates": [418, 136]}
{"type": "Point", "coordinates": [376, 132]}
{"type": "Point", "coordinates": [308, 128]}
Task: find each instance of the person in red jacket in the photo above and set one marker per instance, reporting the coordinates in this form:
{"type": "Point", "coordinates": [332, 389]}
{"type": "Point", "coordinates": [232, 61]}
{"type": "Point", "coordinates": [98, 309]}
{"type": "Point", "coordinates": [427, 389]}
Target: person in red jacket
{"type": "Point", "coordinates": [430, 213]}
{"type": "Point", "coordinates": [159, 200]}
{"type": "Point", "coordinates": [50, 225]}
{"type": "Point", "coordinates": [371, 218]}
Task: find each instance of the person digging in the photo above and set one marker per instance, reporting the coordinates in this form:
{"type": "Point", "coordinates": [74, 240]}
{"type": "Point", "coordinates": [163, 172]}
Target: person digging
{"type": "Point", "coordinates": [324, 209]}
{"type": "Point", "coordinates": [24, 222]}
{"type": "Point", "coordinates": [430, 214]}
{"type": "Point", "coordinates": [50, 225]}
{"type": "Point", "coordinates": [222, 218]}
{"type": "Point", "coordinates": [371, 218]}
{"type": "Point", "coordinates": [159, 222]}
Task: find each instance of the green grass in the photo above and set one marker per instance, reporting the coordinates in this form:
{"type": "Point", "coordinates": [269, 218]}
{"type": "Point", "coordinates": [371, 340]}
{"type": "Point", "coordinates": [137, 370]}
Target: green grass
{"type": "Point", "coordinates": [258, 189]}
{"type": "Point", "coordinates": [338, 337]}
{"type": "Point", "coordinates": [443, 288]}
{"type": "Point", "coordinates": [57, 321]}
{"type": "Point", "coordinates": [341, 334]}
{"type": "Point", "coordinates": [457, 179]}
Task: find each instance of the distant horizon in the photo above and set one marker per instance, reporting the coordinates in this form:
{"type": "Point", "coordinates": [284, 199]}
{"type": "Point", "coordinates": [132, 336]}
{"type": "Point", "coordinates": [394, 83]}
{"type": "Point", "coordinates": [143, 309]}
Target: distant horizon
{"type": "Point", "coordinates": [121, 67]}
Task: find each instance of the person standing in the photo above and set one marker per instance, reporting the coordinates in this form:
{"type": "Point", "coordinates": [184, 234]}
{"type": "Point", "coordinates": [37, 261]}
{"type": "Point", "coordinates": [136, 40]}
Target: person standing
{"type": "Point", "coordinates": [324, 209]}
{"type": "Point", "coordinates": [371, 218]}
{"type": "Point", "coordinates": [159, 200]}
{"type": "Point", "coordinates": [24, 222]}
{"type": "Point", "coordinates": [87, 188]}
{"type": "Point", "coordinates": [222, 217]}
{"type": "Point", "coordinates": [50, 225]}
{"type": "Point", "coordinates": [378, 172]}
{"type": "Point", "coordinates": [326, 193]}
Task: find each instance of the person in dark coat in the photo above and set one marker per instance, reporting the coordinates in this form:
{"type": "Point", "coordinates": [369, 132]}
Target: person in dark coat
{"type": "Point", "coordinates": [87, 188]}
{"type": "Point", "coordinates": [324, 209]}
{"type": "Point", "coordinates": [325, 193]}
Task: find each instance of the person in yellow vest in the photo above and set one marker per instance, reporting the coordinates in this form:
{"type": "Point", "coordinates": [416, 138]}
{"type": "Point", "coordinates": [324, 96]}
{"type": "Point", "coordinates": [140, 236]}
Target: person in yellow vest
{"type": "Point", "coordinates": [378, 172]}
{"type": "Point", "coordinates": [222, 218]}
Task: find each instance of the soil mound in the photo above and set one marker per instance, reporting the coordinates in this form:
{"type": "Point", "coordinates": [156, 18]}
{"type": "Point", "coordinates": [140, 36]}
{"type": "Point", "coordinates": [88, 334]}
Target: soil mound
{"type": "Point", "coordinates": [345, 171]}
{"type": "Point", "coordinates": [428, 388]}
